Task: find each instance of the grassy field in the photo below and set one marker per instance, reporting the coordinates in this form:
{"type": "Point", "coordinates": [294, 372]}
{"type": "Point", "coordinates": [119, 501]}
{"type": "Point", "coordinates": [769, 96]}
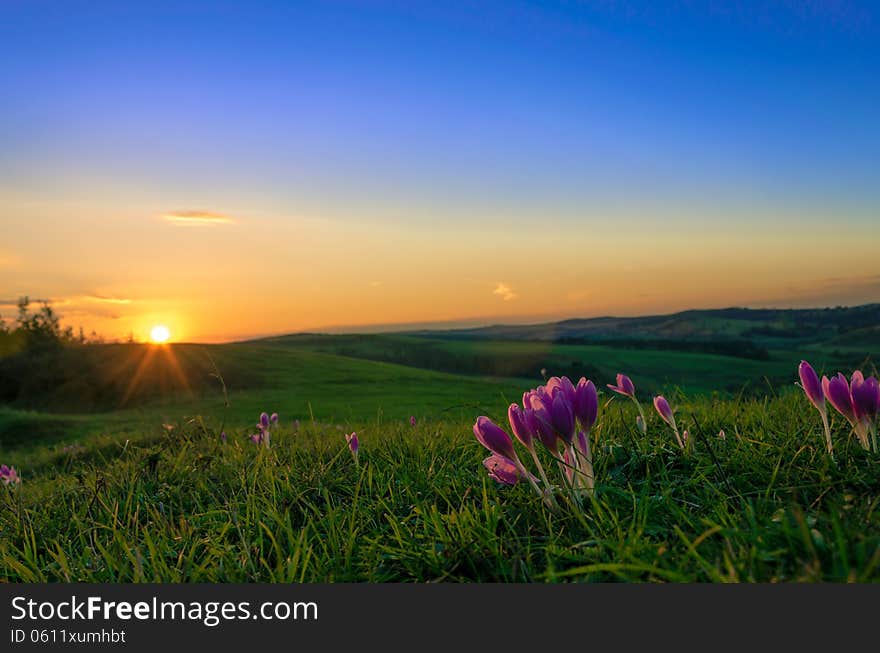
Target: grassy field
{"type": "Point", "coordinates": [657, 369]}
{"type": "Point", "coordinates": [149, 492]}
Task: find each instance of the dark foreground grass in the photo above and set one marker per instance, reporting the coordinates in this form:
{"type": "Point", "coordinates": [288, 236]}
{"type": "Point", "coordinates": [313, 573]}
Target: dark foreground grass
{"type": "Point", "coordinates": [766, 504]}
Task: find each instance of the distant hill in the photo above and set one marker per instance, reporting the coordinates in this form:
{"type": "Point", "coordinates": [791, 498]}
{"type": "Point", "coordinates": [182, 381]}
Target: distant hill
{"type": "Point", "coordinates": [764, 327]}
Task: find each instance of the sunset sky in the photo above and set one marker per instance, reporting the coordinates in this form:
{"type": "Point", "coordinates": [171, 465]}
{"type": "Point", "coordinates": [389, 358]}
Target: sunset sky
{"type": "Point", "coordinates": [232, 169]}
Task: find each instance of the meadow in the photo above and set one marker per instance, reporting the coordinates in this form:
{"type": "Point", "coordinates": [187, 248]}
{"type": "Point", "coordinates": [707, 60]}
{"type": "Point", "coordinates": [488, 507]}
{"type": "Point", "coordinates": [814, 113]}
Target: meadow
{"type": "Point", "coordinates": [149, 489]}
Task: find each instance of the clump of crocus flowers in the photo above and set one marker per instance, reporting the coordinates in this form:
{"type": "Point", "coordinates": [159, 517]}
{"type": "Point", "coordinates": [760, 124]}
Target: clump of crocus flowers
{"type": "Point", "coordinates": [560, 416]}
{"type": "Point", "coordinates": [9, 476]}
{"type": "Point", "coordinates": [856, 398]}
{"type": "Point", "coordinates": [264, 429]}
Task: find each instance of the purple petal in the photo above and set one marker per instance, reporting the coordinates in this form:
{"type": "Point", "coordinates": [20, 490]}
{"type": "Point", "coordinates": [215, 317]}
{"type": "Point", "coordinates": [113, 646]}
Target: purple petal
{"type": "Point", "coordinates": [865, 398]}
{"type": "Point", "coordinates": [586, 403]}
{"type": "Point", "coordinates": [494, 438]}
{"type": "Point", "coordinates": [562, 417]}
{"type": "Point", "coordinates": [624, 386]}
{"type": "Point", "coordinates": [811, 385]}
{"type": "Point", "coordinates": [664, 410]}
{"type": "Point", "coordinates": [561, 384]}
{"type": "Point", "coordinates": [520, 425]}
{"type": "Point", "coordinates": [838, 394]}
{"type": "Point", "coordinates": [502, 469]}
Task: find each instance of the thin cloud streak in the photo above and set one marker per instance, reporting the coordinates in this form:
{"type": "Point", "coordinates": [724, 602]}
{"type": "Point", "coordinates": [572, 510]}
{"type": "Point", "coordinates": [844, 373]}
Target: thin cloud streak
{"type": "Point", "coordinates": [196, 219]}
{"type": "Point", "coordinates": [107, 300]}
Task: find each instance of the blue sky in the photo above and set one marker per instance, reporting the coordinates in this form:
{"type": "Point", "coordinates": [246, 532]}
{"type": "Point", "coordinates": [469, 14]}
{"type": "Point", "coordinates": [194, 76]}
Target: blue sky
{"type": "Point", "coordinates": [719, 117]}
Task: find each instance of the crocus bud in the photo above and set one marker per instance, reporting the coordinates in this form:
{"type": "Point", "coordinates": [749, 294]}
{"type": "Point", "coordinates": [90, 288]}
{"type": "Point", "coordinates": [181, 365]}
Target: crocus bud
{"type": "Point", "coordinates": [865, 397]}
{"type": "Point", "coordinates": [561, 384]}
{"type": "Point", "coordinates": [811, 385]}
{"type": "Point", "coordinates": [264, 420]}
{"type": "Point", "coordinates": [624, 386]}
{"type": "Point", "coordinates": [502, 470]}
{"type": "Point", "coordinates": [547, 435]}
{"type": "Point", "coordinates": [222, 436]}
{"type": "Point", "coordinates": [412, 420]}
{"type": "Point", "coordinates": [520, 425]}
{"type": "Point", "coordinates": [586, 404]}
{"type": "Point", "coordinates": [353, 442]}
{"type": "Point", "coordinates": [640, 425]}
{"type": "Point", "coordinates": [494, 438]}
{"type": "Point", "coordinates": [838, 395]}
{"type": "Point", "coordinates": [722, 435]}
{"type": "Point", "coordinates": [664, 410]}
{"type": "Point", "coordinates": [9, 476]}
{"type": "Point", "coordinates": [273, 418]}
{"type": "Point", "coordinates": [562, 417]}
{"type": "Point", "coordinates": [685, 436]}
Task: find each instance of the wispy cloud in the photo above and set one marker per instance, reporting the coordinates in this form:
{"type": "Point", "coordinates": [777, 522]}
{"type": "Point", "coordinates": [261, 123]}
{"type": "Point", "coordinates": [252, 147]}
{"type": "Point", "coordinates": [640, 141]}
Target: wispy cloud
{"type": "Point", "coordinates": [504, 291]}
{"type": "Point", "coordinates": [107, 300]}
{"type": "Point", "coordinates": [196, 219]}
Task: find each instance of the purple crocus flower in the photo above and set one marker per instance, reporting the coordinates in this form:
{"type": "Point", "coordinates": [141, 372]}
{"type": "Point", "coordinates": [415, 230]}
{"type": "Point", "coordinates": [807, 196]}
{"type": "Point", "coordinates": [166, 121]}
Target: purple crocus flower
{"type": "Point", "coordinates": [586, 404]}
{"type": "Point", "coordinates": [813, 389]}
{"type": "Point", "coordinates": [412, 420]}
{"type": "Point", "coordinates": [811, 385]}
{"type": "Point", "coordinates": [353, 443]}
{"type": "Point", "coordinates": [273, 418]}
{"type": "Point", "coordinates": [560, 384]}
{"type": "Point", "coordinates": [541, 423]}
{"type": "Point", "coordinates": [222, 436]}
{"type": "Point", "coordinates": [624, 386]}
{"type": "Point", "coordinates": [502, 469]}
{"type": "Point", "coordinates": [494, 438]}
{"type": "Point", "coordinates": [521, 423]}
{"type": "Point", "coordinates": [9, 476]}
{"type": "Point", "coordinates": [562, 417]}
{"type": "Point", "coordinates": [257, 438]}
{"type": "Point", "coordinates": [664, 410]}
{"type": "Point", "coordinates": [264, 420]}
{"type": "Point", "coordinates": [865, 397]}
{"type": "Point", "coordinates": [836, 390]}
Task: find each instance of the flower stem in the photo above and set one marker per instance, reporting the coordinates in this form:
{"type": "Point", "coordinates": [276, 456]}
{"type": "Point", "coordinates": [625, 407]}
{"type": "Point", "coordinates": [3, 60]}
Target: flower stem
{"type": "Point", "coordinates": [547, 487]}
{"type": "Point", "coordinates": [827, 432]}
{"type": "Point", "coordinates": [641, 413]}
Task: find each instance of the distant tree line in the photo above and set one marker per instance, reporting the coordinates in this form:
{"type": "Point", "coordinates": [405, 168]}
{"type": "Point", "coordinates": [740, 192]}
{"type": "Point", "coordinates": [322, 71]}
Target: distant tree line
{"type": "Point", "coordinates": [49, 366]}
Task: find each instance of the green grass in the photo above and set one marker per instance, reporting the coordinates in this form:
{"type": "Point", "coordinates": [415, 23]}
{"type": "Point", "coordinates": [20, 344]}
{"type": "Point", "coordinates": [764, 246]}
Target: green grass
{"type": "Point", "coordinates": [766, 504]}
{"type": "Point", "coordinates": [653, 370]}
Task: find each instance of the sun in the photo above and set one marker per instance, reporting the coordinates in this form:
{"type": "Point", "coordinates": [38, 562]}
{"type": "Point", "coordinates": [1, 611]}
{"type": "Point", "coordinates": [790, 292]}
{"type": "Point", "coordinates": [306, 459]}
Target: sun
{"type": "Point", "coordinates": [160, 334]}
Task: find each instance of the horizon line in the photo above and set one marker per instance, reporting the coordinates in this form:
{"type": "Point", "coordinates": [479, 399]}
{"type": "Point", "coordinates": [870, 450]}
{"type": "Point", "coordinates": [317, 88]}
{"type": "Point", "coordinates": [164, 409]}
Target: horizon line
{"type": "Point", "coordinates": [464, 324]}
